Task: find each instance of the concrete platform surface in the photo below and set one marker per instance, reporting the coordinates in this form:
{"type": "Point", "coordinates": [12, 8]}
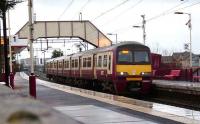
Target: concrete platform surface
{"type": "Point", "coordinates": [16, 108]}
{"type": "Point", "coordinates": [90, 107]}
{"type": "Point", "coordinates": [179, 86]}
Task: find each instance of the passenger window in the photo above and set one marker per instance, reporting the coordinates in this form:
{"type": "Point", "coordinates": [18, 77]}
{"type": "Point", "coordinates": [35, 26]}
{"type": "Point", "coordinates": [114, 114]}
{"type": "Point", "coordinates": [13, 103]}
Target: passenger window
{"type": "Point", "coordinates": [79, 63]}
{"type": "Point", "coordinates": [100, 61]}
{"type": "Point", "coordinates": [67, 64]}
{"type": "Point", "coordinates": [76, 63]}
{"type": "Point", "coordinates": [54, 65]}
{"type": "Point", "coordinates": [95, 61]}
{"type": "Point", "coordinates": [105, 61]}
{"type": "Point", "coordinates": [72, 63]}
{"type": "Point", "coordinates": [60, 65]}
{"type": "Point", "coordinates": [84, 62]}
{"type": "Point", "coordinates": [89, 62]}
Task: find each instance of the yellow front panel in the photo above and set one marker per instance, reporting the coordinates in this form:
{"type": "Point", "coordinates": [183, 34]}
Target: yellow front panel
{"type": "Point", "coordinates": [133, 69]}
{"type": "Point", "coordinates": [135, 79]}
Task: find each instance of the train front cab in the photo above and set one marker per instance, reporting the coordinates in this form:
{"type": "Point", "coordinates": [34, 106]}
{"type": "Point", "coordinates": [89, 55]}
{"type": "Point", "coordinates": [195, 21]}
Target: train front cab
{"type": "Point", "coordinates": [133, 69]}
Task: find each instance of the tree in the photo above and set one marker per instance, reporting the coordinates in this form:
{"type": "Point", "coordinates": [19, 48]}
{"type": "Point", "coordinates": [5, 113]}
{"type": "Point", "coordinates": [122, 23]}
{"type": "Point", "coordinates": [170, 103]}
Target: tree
{"type": "Point", "coordinates": [56, 53]}
{"type": "Point", "coordinates": [6, 5]}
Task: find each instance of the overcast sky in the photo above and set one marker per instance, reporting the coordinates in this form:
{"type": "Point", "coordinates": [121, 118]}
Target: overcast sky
{"type": "Point", "coordinates": [164, 29]}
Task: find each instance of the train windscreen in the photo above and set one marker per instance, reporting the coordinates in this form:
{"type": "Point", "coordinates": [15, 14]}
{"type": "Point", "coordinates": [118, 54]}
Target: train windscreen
{"type": "Point", "coordinates": [133, 57]}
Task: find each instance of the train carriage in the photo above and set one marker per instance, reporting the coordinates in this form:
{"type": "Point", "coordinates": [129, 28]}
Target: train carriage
{"type": "Point", "coordinates": [124, 67]}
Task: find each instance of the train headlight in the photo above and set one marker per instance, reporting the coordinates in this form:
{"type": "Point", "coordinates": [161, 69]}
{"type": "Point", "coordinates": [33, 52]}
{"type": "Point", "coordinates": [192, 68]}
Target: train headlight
{"type": "Point", "coordinates": [122, 73]}
{"type": "Point", "coordinates": [145, 73]}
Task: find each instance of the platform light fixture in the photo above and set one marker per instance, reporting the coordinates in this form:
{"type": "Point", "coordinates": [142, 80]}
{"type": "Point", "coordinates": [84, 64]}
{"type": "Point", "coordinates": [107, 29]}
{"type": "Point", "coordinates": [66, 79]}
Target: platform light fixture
{"type": "Point", "coordinates": [189, 24]}
{"type": "Point", "coordinates": [115, 36]}
{"type": "Point", "coordinates": [143, 28]}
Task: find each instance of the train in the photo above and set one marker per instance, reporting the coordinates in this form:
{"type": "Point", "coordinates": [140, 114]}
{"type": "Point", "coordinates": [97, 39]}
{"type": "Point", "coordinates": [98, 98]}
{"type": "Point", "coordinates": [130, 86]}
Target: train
{"type": "Point", "coordinates": [121, 68]}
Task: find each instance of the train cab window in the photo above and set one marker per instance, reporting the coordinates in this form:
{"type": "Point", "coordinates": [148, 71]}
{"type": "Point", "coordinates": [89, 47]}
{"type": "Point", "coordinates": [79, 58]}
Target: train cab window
{"type": "Point", "coordinates": [141, 56]}
{"type": "Point", "coordinates": [125, 56]}
{"type": "Point", "coordinates": [105, 61]}
{"type": "Point", "coordinates": [99, 61]}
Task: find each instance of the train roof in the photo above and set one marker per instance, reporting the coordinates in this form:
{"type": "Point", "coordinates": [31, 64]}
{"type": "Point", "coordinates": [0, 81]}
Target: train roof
{"type": "Point", "coordinates": [101, 49]}
{"type": "Point", "coordinates": [108, 48]}
{"type": "Point", "coordinates": [58, 58]}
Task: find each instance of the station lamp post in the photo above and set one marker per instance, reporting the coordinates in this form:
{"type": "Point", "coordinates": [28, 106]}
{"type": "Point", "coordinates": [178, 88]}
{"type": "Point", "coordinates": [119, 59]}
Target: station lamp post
{"type": "Point", "coordinates": [143, 27]}
{"type": "Point", "coordinates": [32, 77]}
{"type": "Point", "coordinates": [10, 54]}
{"type": "Point", "coordinates": [189, 23]}
{"type": "Point", "coordinates": [0, 51]}
{"type": "Point", "coordinates": [115, 36]}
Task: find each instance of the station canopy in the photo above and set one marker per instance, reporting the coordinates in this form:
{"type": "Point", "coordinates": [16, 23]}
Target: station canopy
{"type": "Point", "coordinates": [84, 30]}
{"type": "Point", "coordinates": [17, 45]}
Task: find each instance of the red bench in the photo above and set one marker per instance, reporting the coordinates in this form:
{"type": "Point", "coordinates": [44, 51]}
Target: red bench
{"type": "Point", "coordinates": [174, 74]}
{"type": "Point", "coordinates": [196, 78]}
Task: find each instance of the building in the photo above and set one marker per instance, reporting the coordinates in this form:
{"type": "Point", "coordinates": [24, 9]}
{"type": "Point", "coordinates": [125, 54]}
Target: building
{"type": "Point", "coordinates": [38, 63]}
{"type": "Point", "coordinates": [182, 59]}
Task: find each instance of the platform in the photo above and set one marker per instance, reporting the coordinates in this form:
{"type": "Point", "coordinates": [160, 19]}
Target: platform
{"type": "Point", "coordinates": [91, 107]}
{"type": "Point", "coordinates": [178, 86]}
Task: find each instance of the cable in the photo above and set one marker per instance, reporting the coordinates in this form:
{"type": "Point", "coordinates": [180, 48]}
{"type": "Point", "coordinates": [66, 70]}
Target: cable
{"type": "Point", "coordinates": [107, 11]}
{"type": "Point", "coordinates": [83, 7]}
{"type": "Point", "coordinates": [68, 6]}
{"type": "Point", "coordinates": [117, 16]}
{"type": "Point", "coordinates": [166, 12]}
{"type": "Point", "coordinates": [188, 6]}
{"type": "Point", "coordinates": [88, 1]}
{"type": "Point", "coordinates": [157, 16]}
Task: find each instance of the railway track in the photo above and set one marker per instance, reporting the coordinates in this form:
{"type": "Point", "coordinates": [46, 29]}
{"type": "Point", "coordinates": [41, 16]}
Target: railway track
{"type": "Point", "coordinates": [161, 96]}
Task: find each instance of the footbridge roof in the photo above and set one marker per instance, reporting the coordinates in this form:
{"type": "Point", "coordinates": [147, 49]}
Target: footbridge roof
{"type": "Point", "coordinates": [84, 30]}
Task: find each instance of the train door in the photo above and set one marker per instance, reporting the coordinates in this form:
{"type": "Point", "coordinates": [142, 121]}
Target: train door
{"type": "Point", "coordinates": [94, 66]}
{"type": "Point", "coordinates": [56, 67]}
{"type": "Point", "coordinates": [63, 67]}
{"type": "Point", "coordinates": [110, 63]}
{"type": "Point", "coordinates": [80, 66]}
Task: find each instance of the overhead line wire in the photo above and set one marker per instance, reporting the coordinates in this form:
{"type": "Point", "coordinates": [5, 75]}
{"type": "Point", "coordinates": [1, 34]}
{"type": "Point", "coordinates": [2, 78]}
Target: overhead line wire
{"type": "Point", "coordinates": [166, 12]}
{"type": "Point", "coordinates": [188, 6]}
{"type": "Point", "coordinates": [161, 14]}
{"type": "Point", "coordinates": [132, 7]}
{"type": "Point", "coordinates": [128, 27]}
{"type": "Point", "coordinates": [82, 8]}
{"type": "Point", "coordinates": [113, 8]}
{"type": "Point", "coordinates": [88, 1]}
{"type": "Point", "coordinates": [68, 6]}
